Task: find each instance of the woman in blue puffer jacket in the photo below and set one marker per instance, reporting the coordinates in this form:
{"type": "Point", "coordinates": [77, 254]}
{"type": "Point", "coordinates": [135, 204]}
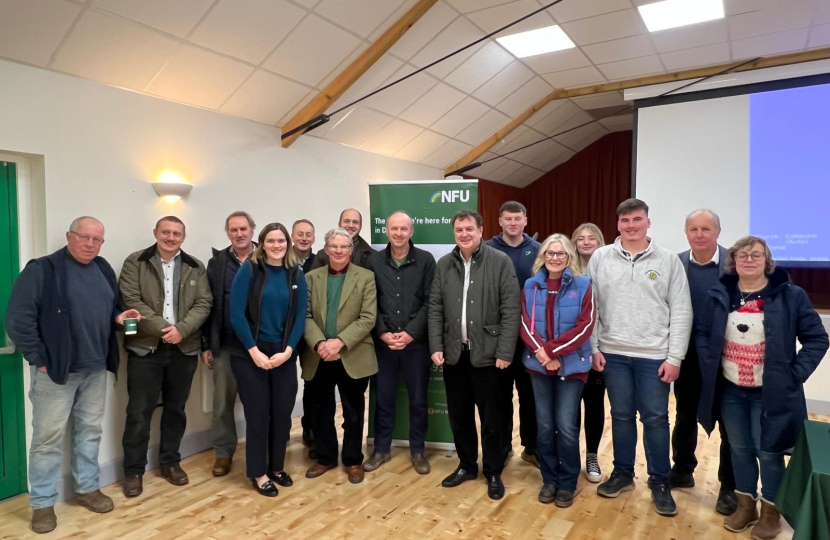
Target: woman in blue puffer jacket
{"type": "Point", "coordinates": [558, 317]}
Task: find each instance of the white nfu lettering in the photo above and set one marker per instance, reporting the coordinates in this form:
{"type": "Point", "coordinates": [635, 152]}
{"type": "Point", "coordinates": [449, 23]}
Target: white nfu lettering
{"type": "Point", "coordinates": [454, 195]}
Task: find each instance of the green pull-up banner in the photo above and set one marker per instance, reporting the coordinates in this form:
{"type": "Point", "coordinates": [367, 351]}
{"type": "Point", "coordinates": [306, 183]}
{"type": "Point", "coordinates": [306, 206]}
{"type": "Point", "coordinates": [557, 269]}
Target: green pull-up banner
{"type": "Point", "coordinates": [431, 204]}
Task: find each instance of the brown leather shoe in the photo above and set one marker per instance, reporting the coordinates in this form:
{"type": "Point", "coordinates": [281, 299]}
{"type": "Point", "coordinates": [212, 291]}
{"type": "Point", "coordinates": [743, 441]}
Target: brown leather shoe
{"type": "Point", "coordinates": [221, 466]}
{"type": "Point", "coordinates": [95, 501]}
{"type": "Point", "coordinates": [355, 473]}
{"type": "Point", "coordinates": [419, 461]}
{"type": "Point", "coordinates": [44, 520]}
{"type": "Point", "coordinates": [318, 469]}
{"type": "Point", "coordinates": [175, 475]}
{"type": "Point", "coordinates": [133, 485]}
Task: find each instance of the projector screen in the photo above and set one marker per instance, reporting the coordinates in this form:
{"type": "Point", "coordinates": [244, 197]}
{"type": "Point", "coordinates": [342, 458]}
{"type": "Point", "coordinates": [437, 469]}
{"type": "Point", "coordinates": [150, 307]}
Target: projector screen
{"type": "Point", "coordinates": [758, 155]}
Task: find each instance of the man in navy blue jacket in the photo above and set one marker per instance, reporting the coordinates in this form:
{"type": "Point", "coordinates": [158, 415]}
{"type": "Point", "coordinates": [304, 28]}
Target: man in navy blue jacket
{"type": "Point", "coordinates": [62, 317]}
{"type": "Point", "coordinates": [522, 250]}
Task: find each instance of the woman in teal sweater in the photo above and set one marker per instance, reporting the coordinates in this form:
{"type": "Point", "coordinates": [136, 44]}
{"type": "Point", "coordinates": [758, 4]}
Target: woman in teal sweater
{"type": "Point", "coordinates": [268, 308]}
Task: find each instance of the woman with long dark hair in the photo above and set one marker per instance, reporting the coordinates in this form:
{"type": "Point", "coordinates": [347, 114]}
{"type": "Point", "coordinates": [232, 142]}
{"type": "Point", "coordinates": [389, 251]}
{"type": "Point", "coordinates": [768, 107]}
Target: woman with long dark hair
{"type": "Point", "coordinates": [268, 309]}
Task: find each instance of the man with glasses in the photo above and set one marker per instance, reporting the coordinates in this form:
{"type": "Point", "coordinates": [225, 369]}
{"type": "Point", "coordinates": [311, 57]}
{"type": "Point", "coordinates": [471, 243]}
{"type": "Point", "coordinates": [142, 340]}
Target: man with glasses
{"type": "Point", "coordinates": [62, 317]}
{"type": "Point", "coordinates": [171, 290]}
{"type": "Point", "coordinates": [704, 263]}
{"type": "Point", "coordinates": [644, 323]}
{"type": "Point", "coordinates": [340, 353]}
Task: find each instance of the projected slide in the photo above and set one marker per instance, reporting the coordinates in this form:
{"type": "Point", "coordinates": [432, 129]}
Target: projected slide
{"type": "Point", "coordinates": [789, 186]}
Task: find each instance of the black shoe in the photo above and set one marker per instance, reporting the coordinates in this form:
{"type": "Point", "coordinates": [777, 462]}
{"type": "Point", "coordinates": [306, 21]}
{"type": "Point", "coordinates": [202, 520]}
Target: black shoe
{"type": "Point", "coordinates": [663, 501]}
{"type": "Point", "coordinates": [495, 487]}
{"type": "Point", "coordinates": [458, 477]}
{"type": "Point", "coordinates": [564, 499]}
{"type": "Point", "coordinates": [281, 478]}
{"type": "Point", "coordinates": [312, 454]}
{"type": "Point", "coordinates": [547, 494]}
{"type": "Point", "coordinates": [308, 438]}
{"type": "Point", "coordinates": [682, 481]}
{"type": "Point", "coordinates": [618, 483]}
{"type": "Point", "coordinates": [267, 489]}
{"type": "Point", "coordinates": [727, 502]}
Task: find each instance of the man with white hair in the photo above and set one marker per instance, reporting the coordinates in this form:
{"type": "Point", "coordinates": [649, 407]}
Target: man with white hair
{"type": "Point", "coordinates": [704, 263]}
{"type": "Point", "coordinates": [62, 317]}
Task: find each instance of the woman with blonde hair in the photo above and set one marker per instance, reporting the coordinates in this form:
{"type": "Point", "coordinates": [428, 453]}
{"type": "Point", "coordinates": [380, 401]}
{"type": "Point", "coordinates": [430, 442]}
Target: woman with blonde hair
{"type": "Point", "coordinates": [587, 238]}
{"type": "Point", "coordinates": [558, 317]}
{"type": "Point", "coordinates": [268, 311]}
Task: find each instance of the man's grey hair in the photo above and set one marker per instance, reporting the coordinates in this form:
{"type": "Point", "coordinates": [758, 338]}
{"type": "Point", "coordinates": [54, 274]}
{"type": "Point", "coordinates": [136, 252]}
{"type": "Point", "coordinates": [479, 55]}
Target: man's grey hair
{"type": "Point", "coordinates": [76, 223]}
{"type": "Point", "coordinates": [715, 217]}
{"type": "Point", "coordinates": [396, 212]}
{"type": "Point", "coordinates": [337, 231]}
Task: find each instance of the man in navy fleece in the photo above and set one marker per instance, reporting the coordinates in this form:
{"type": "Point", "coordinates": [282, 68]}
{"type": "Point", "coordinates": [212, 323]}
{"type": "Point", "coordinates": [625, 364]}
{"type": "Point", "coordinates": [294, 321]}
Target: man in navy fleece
{"type": "Point", "coordinates": [522, 250]}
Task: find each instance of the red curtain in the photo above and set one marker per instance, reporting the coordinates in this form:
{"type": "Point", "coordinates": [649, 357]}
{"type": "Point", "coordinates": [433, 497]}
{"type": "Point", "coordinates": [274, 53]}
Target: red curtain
{"type": "Point", "coordinates": [588, 187]}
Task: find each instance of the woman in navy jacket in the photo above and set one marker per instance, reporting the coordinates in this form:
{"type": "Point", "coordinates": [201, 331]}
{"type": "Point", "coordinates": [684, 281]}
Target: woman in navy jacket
{"type": "Point", "coordinates": [268, 309]}
{"type": "Point", "coordinates": [752, 375]}
{"type": "Point", "coordinates": [558, 317]}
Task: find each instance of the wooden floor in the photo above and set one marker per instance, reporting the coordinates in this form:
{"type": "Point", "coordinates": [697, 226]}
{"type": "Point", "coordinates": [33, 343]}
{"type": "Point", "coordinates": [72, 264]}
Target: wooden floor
{"type": "Point", "coordinates": [393, 502]}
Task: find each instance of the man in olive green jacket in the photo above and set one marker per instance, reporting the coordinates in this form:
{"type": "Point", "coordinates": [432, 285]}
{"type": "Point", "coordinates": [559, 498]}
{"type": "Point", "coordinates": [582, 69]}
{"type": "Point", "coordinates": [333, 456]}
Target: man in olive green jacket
{"type": "Point", "coordinates": [170, 289]}
{"type": "Point", "coordinates": [341, 314]}
{"type": "Point", "coordinates": [473, 321]}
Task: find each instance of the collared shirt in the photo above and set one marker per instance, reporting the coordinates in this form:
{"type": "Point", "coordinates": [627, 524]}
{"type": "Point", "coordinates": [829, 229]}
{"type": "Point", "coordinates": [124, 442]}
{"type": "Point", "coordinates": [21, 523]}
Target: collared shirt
{"type": "Point", "coordinates": [634, 259]}
{"type": "Point", "coordinates": [467, 267]}
{"type": "Point", "coordinates": [715, 259]}
{"type": "Point", "coordinates": [235, 256]}
{"type": "Point", "coordinates": [168, 268]}
{"type": "Point", "coordinates": [334, 272]}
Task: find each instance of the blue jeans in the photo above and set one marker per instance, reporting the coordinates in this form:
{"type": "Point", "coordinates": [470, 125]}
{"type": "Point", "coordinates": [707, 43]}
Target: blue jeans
{"type": "Point", "coordinates": [83, 398]}
{"type": "Point", "coordinates": [634, 386]}
{"type": "Point", "coordinates": [741, 412]}
{"type": "Point", "coordinates": [557, 420]}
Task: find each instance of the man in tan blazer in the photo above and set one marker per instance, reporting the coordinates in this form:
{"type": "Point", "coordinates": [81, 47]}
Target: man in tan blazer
{"type": "Point", "coordinates": [341, 314]}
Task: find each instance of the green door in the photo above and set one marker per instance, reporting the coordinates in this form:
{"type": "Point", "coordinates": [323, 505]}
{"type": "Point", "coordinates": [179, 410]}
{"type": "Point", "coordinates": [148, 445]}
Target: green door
{"type": "Point", "coordinates": [12, 434]}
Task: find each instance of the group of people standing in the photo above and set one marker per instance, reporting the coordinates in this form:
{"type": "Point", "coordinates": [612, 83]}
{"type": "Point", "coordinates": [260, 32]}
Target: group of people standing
{"type": "Point", "coordinates": [562, 320]}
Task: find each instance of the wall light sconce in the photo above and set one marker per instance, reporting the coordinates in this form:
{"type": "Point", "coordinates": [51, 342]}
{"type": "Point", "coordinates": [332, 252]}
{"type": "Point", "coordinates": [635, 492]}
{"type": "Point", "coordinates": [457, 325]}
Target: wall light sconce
{"type": "Point", "coordinates": [171, 186]}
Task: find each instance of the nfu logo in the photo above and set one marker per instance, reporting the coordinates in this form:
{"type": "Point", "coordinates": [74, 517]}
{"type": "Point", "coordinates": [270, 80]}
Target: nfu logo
{"type": "Point", "coordinates": [453, 195]}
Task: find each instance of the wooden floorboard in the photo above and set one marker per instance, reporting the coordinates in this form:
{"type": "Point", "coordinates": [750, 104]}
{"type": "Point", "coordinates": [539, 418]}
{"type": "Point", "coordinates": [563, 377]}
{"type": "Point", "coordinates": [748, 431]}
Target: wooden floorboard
{"type": "Point", "coordinates": [393, 502]}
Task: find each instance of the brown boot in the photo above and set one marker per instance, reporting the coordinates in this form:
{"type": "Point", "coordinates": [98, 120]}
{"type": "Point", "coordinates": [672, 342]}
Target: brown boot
{"type": "Point", "coordinates": [769, 525]}
{"type": "Point", "coordinates": [175, 475]}
{"type": "Point", "coordinates": [44, 520]}
{"type": "Point", "coordinates": [95, 501]}
{"type": "Point", "coordinates": [745, 516]}
{"type": "Point", "coordinates": [222, 466]}
{"type": "Point", "coordinates": [132, 486]}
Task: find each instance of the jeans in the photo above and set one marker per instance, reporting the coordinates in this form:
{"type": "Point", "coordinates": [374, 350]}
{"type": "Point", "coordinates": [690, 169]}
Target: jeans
{"type": "Point", "coordinates": [684, 434]}
{"type": "Point", "coordinates": [634, 386]}
{"type": "Point", "coordinates": [82, 399]}
{"type": "Point", "coordinates": [268, 396]}
{"type": "Point", "coordinates": [415, 365]}
{"type": "Point", "coordinates": [527, 408]}
{"type": "Point", "coordinates": [223, 435]}
{"type": "Point", "coordinates": [741, 411]}
{"type": "Point", "coordinates": [557, 414]}
{"type": "Point", "coordinates": [483, 388]}
{"type": "Point", "coordinates": [593, 395]}
{"type": "Point", "coordinates": [166, 371]}
{"type": "Point", "coordinates": [353, 399]}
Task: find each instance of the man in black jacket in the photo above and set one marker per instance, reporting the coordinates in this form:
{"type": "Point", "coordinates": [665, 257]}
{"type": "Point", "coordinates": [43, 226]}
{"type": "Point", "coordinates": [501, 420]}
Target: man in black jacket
{"type": "Point", "coordinates": [62, 316]}
{"type": "Point", "coordinates": [473, 320]}
{"type": "Point", "coordinates": [218, 337]}
{"type": "Point", "coordinates": [352, 221]}
{"type": "Point", "coordinates": [403, 276]}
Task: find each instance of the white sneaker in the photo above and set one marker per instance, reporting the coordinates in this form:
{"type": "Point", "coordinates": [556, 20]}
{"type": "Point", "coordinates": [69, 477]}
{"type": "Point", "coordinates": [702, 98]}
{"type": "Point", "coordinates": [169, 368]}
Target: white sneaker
{"type": "Point", "coordinates": [592, 470]}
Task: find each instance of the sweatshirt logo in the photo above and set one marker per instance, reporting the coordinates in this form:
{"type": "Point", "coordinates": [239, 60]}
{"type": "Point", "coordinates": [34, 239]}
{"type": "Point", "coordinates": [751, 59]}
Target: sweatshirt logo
{"type": "Point", "coordinates": [652, 274]}
{"type": "Point", "coordinates": [528, 252]}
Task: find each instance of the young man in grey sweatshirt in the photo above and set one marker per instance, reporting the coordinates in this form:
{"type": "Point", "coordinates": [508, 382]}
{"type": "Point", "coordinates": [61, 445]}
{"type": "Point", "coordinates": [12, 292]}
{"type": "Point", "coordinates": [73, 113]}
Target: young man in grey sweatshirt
{"type": "Point", "coordinates": [643, 328]}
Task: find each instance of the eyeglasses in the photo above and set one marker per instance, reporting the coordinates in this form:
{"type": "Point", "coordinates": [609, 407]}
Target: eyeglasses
{"type": "Point", "coordinates": [755, 256]}
{"type": "Point", "coordinates": [553, 255]}
{"type": "Point", "coordinates": [86, 238]}
{"type": "Point", "coordinates": [339, 248]}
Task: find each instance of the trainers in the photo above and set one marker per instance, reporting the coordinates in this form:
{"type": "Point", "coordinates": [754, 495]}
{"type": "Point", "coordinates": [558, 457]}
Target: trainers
{"type": "Point", "coordinates": [681, 481]}
{"type": "Point", "coordinates": [615, 485]}
{"type": "Point", "coordinates": [592, 470]}
{"type": "Point", "coordinates": [663, 501]}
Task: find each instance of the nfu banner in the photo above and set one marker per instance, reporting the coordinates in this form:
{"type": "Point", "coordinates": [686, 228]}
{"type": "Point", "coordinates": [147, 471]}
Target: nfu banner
{"type": "Point", "coordinates": [431, 204]}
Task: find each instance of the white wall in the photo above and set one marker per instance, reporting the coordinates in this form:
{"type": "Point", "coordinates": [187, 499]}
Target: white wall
{"type": "Point", "coordinates": [102, 147]}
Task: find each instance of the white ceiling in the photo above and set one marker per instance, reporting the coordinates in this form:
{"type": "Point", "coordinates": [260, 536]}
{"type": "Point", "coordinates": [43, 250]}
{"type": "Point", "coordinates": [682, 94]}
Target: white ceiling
{"type": "Point", "coordinates": [264, 59]}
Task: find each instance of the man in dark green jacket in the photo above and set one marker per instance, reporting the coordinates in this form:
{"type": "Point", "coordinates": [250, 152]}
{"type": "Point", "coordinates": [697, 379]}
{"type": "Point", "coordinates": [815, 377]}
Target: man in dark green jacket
{"type": "Point", "coordinates": [473, 321]}
{"type": "Point", "coordinates": [170, 289]}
